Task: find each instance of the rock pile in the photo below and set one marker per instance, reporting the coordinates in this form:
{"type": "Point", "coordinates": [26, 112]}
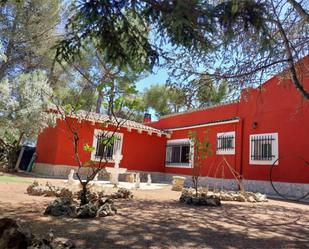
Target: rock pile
{"type": "Point", "coordinates": [13, 236]}
{"type": "Point", "coordinates": [92, 196]}
{"type": "Point", "coordinates": [62, 207]}
{"type": "Point", "coordinates": [67, 203]}
{"type": "Point", "coordinates": [188, 196]}
{"type": "Point", "coordinates": [35, 189]}
{"type": "Point", "coordinates": [241, 196]}
{"type": "Point", "coordinates": [106, 208]}
{"type": "Point", "coordinates": [68, 207]}
{"type": "Point", "coordinates": [48, 190]}
{"type": "Point", "coordinates": [122, 193]}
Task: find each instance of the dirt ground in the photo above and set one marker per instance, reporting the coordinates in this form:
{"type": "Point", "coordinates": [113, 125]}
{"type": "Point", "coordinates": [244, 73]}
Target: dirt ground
{"type": "Point", "coordinates": [155, 219]}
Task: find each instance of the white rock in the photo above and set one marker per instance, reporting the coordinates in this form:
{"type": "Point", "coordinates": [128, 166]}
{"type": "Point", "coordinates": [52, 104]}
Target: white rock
{"type": "Point", "coordinates": [137, 180]}
{"type": "Point", "coordinates": [148, 179]}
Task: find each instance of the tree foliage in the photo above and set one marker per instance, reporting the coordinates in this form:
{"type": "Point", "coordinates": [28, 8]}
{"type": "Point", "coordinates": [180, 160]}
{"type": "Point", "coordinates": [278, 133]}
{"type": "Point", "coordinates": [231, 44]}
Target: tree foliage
{"type": "Point", "coordinates": [24, 101]}
{"type": "Point", "coordinates": [96, 84]}
{"type": "Point", "coordinates": [164, 99]}
{"type": "Point", "coordinates": [249, 58]}
{"type": "Point", "coordinates": [243, 41]}
{"type": "Point", "coordinates": [27, 34]}
{"type": "Point", "coordinates": [205, 91]}
{"type": "Point", "coordinates": [167, 99]}
{"type": "Point", "coordinates": [190, 24]}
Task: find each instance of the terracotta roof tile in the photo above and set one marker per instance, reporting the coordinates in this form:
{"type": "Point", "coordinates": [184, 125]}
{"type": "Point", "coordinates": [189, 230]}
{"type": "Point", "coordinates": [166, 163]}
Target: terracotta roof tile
{"type": "Point", "coordinates": [103, 118]}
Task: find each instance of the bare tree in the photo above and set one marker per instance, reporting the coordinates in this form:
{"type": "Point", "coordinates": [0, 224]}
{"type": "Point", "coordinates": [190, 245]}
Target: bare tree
{"type": "Point", "coordinates": [72, 118]}
{"type": "Point", "coordinates": [200, 150]}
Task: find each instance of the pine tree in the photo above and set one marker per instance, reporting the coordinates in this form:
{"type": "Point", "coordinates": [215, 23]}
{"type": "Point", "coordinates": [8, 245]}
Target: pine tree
{"type": "Point", "coordinates": [28, 32]}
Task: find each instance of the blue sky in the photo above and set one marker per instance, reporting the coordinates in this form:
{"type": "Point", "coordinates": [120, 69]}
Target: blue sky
{"type": "Point", "coordinates": [159, 76]}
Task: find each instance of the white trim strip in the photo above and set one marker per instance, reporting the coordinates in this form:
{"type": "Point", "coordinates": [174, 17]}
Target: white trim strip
{"type": "Point", "coordinates": [203, 125]}
{"type": "Point", "coordinates": [187, 166]}
{"type": "Point", "coordinates": [178, 141]}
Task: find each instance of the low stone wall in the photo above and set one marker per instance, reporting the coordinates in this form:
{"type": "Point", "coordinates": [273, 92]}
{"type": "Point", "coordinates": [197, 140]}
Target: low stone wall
{"type": "Point", "coordinates": [61, 171]}
{"type": "Point", "coordinates": [292, 190]}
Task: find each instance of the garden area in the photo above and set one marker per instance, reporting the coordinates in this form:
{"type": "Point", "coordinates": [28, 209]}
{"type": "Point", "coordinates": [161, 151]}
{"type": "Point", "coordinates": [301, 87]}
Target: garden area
{"type": "Point", "coordinates": [156, 219]}
{"type": "Point", "coordinates": [119, 97]}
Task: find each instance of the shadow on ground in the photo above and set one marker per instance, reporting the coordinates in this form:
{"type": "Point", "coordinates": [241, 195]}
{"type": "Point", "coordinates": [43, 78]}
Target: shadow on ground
{"type": "Point", "coordinates": [168, 224]}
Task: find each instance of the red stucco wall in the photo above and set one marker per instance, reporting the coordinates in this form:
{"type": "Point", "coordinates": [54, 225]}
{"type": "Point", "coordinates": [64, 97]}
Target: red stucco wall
{"type": "Point", "coordinates": [197, 117]}
{"type": "Point", "coordinates": [277, 107]}
{"type": "Point", "coordinates": [47, 144]}
{"type": "Point", "coordinates": [210, 165]}
{"type": "Point", "coordinates": [140, 151]}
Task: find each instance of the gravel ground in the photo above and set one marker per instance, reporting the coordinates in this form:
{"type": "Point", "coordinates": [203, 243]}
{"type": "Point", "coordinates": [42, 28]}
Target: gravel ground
{"type": "Point", "coordinates": [155, 219]}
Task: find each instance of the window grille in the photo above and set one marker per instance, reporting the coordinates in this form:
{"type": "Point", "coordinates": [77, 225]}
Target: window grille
{"type": "Point", "coordinates": [106, 151]}
{"type": "Point", "coordinates": [261, 148]}
{"type": "Point", "coordinates": [226, 143]}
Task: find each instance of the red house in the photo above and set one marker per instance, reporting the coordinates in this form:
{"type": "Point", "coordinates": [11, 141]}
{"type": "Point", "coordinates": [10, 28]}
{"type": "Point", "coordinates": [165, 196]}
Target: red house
{"type": "Point", "coordinates": [268, 126]}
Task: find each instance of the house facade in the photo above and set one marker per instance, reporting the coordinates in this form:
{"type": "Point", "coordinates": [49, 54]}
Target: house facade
{"type": "Point", "coordinates": [267, 126]}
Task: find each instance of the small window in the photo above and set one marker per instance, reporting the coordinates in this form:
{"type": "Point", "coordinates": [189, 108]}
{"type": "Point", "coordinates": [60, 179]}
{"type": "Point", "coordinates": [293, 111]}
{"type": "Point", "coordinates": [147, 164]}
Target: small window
{"type": "Point", "coordinates": [178, 153]}
{"type": "Point", "coordinates": [106, 151]}
{"type": "Point", "coordinates": [226, 143]}
{"type": "Point", "coordinates": [263, 148]}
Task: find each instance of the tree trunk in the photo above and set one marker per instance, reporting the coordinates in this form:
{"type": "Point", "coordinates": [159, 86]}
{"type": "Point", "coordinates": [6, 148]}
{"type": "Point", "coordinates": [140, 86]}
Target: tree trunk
{"type": "Point", "coordinates": [297, 6]}
{"type": "Point", "coordinates": [195, 184]}
{"type": "Point", "coordinates": [12, 157]}
{"type": "Point", "coordinates": [83, 197]}
{"type": "Point", "coordinates": [288, 50]}
{"type": "Point", "coordinates": [299, 86]}
{"type": "Point", "coordinates": [99, 102]}
{"type": "Point", "coordinates": [110, 110]}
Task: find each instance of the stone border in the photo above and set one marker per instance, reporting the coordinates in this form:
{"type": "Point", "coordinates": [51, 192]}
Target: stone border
{"type": "Point", "coordinates": [293, 189]}
{"type": "Point", "coordinates": [61, 171]}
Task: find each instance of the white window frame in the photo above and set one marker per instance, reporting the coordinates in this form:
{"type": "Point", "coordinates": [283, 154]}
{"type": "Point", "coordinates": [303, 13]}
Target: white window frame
{"type": "Point", "coordinates": [96, 134]}
{"type": "Point", "coordinates": [274, 149]}
{"type": "Point", "coordinates": [178, 142]}
{"type": "Point", "coordinates": [229, 151]}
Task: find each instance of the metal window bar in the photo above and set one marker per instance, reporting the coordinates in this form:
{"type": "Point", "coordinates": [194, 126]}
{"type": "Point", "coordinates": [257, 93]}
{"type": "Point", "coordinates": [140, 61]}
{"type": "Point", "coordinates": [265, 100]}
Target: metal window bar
{"type": "Point", "coordinates": [107, 152]}
{"type": "Point", "coordinates": [225, 143]}
{"type": "Point", "coordinates": [261, 148]}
